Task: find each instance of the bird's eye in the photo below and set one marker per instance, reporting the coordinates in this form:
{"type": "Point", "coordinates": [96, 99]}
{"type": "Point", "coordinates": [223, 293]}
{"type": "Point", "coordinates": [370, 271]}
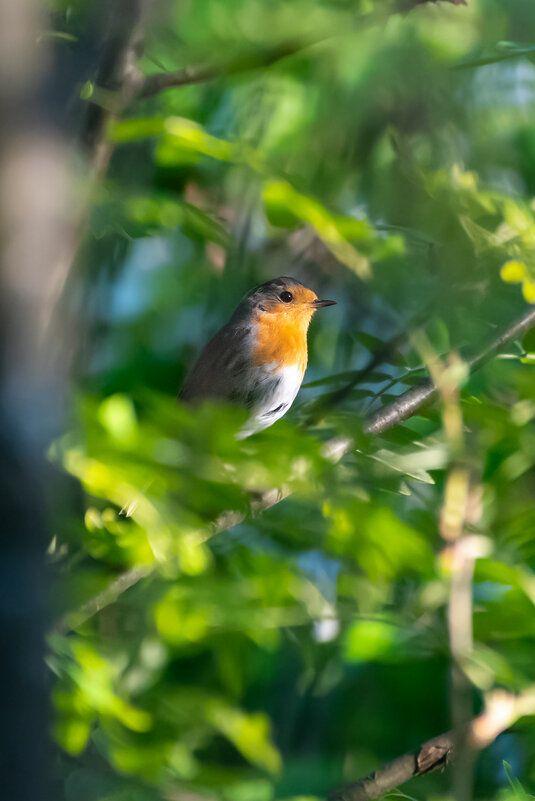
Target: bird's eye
{"type": "Point", "coordinates": [286, 297]}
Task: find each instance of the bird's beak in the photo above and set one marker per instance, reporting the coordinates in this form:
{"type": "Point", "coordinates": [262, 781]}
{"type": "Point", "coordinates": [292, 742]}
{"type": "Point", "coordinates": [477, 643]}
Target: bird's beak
{"type": "Point", "coordinates": [319, 304]}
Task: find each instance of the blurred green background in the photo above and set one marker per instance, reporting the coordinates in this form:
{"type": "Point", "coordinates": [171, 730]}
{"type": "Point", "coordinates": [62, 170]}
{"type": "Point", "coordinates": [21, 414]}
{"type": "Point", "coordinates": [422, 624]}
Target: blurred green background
{"type": "Point", "coordinates": [388, 163]}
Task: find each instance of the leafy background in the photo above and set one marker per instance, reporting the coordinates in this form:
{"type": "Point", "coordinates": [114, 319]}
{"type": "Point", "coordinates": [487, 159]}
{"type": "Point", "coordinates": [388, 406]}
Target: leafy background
{"type": "Point", "coordinates": [389, 163]}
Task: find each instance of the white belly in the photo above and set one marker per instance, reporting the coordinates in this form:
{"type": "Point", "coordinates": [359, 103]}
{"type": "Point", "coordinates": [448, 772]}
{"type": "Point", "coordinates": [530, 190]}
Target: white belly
{"type": "Point", "coordinates": [275, 389]}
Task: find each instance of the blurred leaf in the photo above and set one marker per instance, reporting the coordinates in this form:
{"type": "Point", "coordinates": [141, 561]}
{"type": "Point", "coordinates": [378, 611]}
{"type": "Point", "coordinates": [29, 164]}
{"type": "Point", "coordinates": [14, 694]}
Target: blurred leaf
{"type": "Point", "coordinates": [513, 272]}
{"type": "Point", "coordinates": [503, 52]}
{"type": "Point", "coordinates": [283, 203]}
{"type": "Point", "coordinates": [375, 641]}
{"type": "Point", "coordinates": [130, 130]}
{"type": "Point", "coordinates": [249, 733]}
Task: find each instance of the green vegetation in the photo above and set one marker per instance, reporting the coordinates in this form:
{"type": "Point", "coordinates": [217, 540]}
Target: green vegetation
{"type": "Point", "coordinates": [211, 642]}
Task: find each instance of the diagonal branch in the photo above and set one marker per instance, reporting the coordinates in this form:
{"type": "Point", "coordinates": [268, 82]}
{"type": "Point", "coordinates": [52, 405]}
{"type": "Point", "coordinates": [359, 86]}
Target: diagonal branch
{"type": "Point", "coordinates": [432, 755]}
{"type": "Point", "coordinates": [103, 599]}
{"type": "Point", "coordinates": [502, 711]}
{"type": "Point", "coordinates": [154, 84]}
{"type": "Point", "coordinates": [413, 400]}
{"type": "Point", "coordinates": [397, 411]}
{"type": "Point", "coordinates": [187, 76]}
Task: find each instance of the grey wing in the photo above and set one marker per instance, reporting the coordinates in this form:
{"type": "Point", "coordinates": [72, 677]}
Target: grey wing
{"type": "Point", "coordinates": [222, 369]}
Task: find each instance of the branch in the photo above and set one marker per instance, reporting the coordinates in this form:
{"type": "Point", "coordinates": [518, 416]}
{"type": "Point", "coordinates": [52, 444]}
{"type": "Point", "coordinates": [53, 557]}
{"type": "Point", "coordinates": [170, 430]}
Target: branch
{"type": "Point", "coordinates": [129, 578]}
{"type": "Point", "coordinates": [108, 596]}
{"type": "Point", "coordinates": [154, 84]}
{"type": "Point", "coordinates": [411, 401]}
{"type": "Point", "coordinates": [502, 711]}
{"type": "Point", "coordinates": [432, 755]}
{"type": "Point", "coordinates": [407, 5]}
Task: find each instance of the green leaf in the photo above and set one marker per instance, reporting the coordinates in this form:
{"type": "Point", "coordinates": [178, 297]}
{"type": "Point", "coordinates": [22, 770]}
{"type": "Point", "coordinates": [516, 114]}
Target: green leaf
{"type": "Point", "coordinates": [503, 52]}
{"type": "Point", "coordinates": [374, 641]}
{"type": "Point", "coordinates": [283, 201]}
{"type": "Point", "coordinates": [515, 784]}
{"type": "Point", "coordinates": [250, 733]}
{"type": "Point", "coordinates": [130, 130]}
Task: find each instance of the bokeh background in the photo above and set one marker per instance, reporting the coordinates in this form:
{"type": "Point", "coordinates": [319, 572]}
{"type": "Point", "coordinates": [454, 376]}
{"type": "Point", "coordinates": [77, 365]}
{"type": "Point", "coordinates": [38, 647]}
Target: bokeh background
{"type": "Point", "coordinates": [386, 158]}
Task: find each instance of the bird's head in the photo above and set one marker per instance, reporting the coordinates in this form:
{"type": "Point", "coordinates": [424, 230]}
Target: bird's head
{"type": "Point", "coordinates": [286, 298]}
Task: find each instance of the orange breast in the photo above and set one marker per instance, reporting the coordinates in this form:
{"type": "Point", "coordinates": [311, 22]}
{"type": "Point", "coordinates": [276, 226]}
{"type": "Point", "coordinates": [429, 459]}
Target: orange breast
{"type": "Point", "coordinates": [281, 340]}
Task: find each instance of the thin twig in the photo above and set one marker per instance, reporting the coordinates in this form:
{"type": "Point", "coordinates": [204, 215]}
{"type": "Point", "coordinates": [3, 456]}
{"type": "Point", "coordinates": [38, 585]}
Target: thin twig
{"type": "Point", "coordinates": [154, 84]}
{"type": "Point", "coordinates": [108, 596]}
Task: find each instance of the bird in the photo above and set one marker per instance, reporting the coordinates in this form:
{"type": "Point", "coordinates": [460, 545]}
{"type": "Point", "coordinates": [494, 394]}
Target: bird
{"type": "Point", "coordinates": [258, 359]}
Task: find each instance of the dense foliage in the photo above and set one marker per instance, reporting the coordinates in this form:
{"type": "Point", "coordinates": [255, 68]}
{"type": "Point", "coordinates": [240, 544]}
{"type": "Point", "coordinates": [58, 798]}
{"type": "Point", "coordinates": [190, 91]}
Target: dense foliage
{"type": "Point", "coordinates": [389, 163]}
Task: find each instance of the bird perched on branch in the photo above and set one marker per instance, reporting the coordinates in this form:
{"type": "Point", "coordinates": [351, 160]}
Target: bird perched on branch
{"type": "Point", "coordinates": [258, 359]}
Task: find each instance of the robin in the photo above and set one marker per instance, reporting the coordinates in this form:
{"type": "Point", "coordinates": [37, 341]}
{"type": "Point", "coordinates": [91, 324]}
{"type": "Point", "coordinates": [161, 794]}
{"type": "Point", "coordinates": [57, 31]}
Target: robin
{"type": "Point", "coordinates": [258, 359]}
